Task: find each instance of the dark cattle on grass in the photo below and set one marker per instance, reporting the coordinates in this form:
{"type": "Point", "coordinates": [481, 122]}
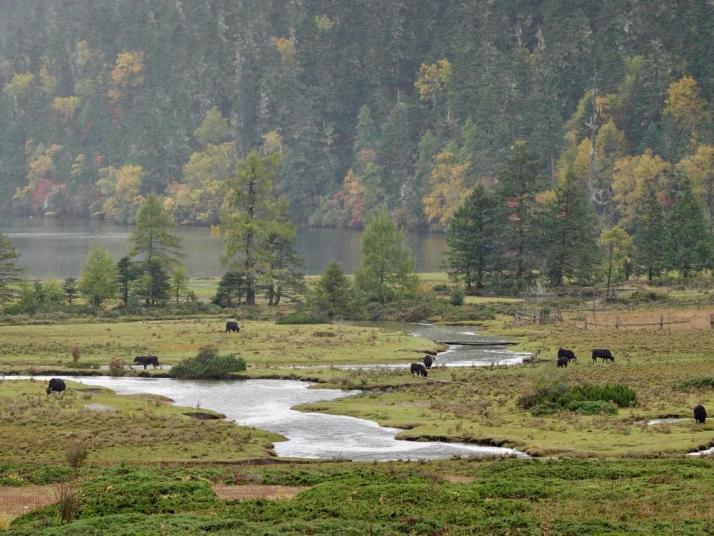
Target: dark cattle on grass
{"type": "Point", "coordinates": [418, 369]}
{"type": "Point", "coordinates": [147, 360]}
{"type": "Point", "coordinates": [700, 414]}
{"type": "Point", "coordinates": [56, 385]}
{"type": "Point", "coordinates": [428, 361]}
{"type": "Point", "coordinates": [568, 354]}
{"type": "Point", "coordinates": [603, 354]}
{"type": "Point", "coordinates": [563, 362]}
{"type": "Point", "coordinates": [232, 327]}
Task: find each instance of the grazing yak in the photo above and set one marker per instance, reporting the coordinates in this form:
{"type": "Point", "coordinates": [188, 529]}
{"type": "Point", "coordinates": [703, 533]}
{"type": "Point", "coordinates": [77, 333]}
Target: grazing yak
{"type": "Point", "coordinates": [562, 362]}
{"type": "Point", "coordinates": [147, 360]}
{"type": "Point", "coordinates": [603, 354]}
{"type": "Point", "coordinates": [700, 414]}
{"type": "Point", "coordinates": [232, 327]}
{"type": "Point", "coordinates": [56, 385]}
{"type": "Point", "coordinates": [568, 354]}
{"type": "Point", "coordinates": [418, 369]}
{"type": "Point", "coordinates": [428, 361]}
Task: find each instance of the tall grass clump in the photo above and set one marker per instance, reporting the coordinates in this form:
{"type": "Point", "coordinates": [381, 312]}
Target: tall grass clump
{"type": "Point", "coordinates": [75, 453]}
{"type": "Point", "coordinates": [587, 399]}
{"type": "Point", "coordinates": [702, 382]}
{"type": "Point", "coordinates": [68, 501]}
{"type": "Point", "coordinates": [208, 365]}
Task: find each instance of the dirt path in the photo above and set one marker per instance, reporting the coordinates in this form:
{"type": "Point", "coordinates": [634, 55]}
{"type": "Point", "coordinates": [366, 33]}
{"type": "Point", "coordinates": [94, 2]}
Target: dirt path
{"type": "Point", "coordinates": [273, 493]}
{"type": "Point", "coordinates": [18, 500]}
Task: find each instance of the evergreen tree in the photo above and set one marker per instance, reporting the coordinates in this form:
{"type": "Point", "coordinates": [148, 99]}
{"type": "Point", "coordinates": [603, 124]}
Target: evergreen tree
{"type": "Point", "coordinates": [152, 237]}
{"type": "Point", "coordinates": [9, 271]}
{"type": "Point", "coordinates": [154, 284]}
{"type": "Point", "coordinates": [127, 272]}
{"type": "Point", "coordinates": [230, 289]}
{"type": "Point", "coordinates": [332, 295]}
{"type": "Point", "coordinates": [473, 238]}
{"type": "Point", "coordinates": [98, 281]}
{"type": "Point", "coordinates": [252, 215]}
{"type": "Point", "coordinates": [570, 242]}
{"type": "Point", "coordinates": [387, 268]}
{"type": "Point", "coordinates": [650, 238]}
{"type": "Point", "coordinates": [617, 245]}
{"type": "Point", "coordinates": [690, 236]}
{"type": "Point", "coordinates": [69, 287]}
{"type": "Point", "coordinates": [517, 185]}
{"type": "Point", "coordinates": [283, 276]}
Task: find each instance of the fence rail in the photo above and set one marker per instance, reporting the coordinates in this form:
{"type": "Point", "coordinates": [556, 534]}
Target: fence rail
{"type": "Point", "coordinates": [521, 317]}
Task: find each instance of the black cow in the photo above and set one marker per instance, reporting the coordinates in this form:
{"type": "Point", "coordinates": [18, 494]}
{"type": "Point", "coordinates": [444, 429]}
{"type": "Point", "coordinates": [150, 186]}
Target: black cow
{"type": "Point", "coordinates": [562, 362]}
{"type": "Point", "coordinates": [700, 414]}
{"type": "Point", "coordinates": [147, 360]}
{"type": "Point", "coordinates": [232, 327]}
{"type": "Point", "coordinates": [56, 385]}
{"type": "Point", "coordinates": [418, 369]}
{"type": "Point", "coordinates": [603, 354]}
{"type": "Point", "coordinates": [428, 361]}
{"type": "Point", "coordinates": [568, 354]}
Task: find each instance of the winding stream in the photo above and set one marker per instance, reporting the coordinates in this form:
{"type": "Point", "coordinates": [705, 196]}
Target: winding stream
{"type": "Point", "coordinates": [266, 404]}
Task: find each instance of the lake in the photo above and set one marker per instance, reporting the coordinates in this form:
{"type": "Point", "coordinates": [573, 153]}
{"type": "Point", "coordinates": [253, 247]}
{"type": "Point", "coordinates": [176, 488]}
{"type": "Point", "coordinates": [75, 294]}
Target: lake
{"type": "Point", "coordinates": [57, 248]}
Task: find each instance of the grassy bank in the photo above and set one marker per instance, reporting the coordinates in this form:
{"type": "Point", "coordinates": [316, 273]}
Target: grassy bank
{"type": "Point", "coordinates": [115, 429]}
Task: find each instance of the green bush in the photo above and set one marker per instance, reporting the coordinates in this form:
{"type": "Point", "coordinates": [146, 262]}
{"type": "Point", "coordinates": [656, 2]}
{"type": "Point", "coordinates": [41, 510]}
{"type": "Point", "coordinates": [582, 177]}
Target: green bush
{"type": "Point", "coordinates": [208, 365]}
{"type": "Point", "coordinates": [587, 399]}
{"type": "Point", "coordinates": [456, 297]}
{"type": "Point", "coordinates": [440, 287]}
{"type": "Point", "coordinates": [301, 317]}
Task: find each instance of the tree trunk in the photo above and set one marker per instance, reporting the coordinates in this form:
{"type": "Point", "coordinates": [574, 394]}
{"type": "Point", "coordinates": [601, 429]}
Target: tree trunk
{"type": "Point", "coordinates": [609, 273]}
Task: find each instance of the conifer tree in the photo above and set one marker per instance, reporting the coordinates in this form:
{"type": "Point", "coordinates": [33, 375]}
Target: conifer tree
{"type": "Point", "coordinates": [570, 246]}
{"type": "Point", "coordinates": [9, 271]}
{"type": "Point", "coordinates": [152, 237]}
{"type": "Point", "coordinates": [98, 282]}
{"type": "Point", "coordinates": [650, 238]}
{"type": "Point", "coordinates": [69, 287]}
{"type": "Point", "coordinates": [332, 295]}
{"type": "Point", "coordinates": [473, 238]}
{"type": "Point", "coordinates": [690, 236]}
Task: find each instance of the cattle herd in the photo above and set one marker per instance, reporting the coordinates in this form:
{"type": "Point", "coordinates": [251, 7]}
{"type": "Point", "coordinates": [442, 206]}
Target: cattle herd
{"type": "Point", "coordinates": [565, 356]}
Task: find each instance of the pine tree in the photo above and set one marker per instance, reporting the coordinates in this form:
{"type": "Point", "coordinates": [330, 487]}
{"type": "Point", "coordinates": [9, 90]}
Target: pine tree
{"type": "Point", "coordinates": [690, 236]}
{"type": "Point", "coordinates": [98, 281]}
{"type": "Point", "coordinates": [230, 289]}
{"type": "Point", "coordinates": [473, 238]}
{"type": "Point", "coordinates": [283, 276]}
{"type": "Point", "coordinates": [570, 243]}
{"type": "Point", "coordinates": [9, 271]}
{"type": "Point", "coordinates": [387, 268]}
{"type": "Point", "coordinates": [69, 287]}
{"type": "Point", "coordinates": [154, 284]}
{"type": "Point", "coordinates": [152, 237]}
{"type": "Point", "coordinates": [179, 281]}
{"type": "Point", "coordinates": [650, 238]}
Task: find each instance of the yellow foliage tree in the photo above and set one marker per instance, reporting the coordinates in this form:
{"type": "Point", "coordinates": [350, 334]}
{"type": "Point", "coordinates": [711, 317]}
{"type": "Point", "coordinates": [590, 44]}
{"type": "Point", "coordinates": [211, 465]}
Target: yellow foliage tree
{"type": "Point", "coordinates": [686, 106]}
{"type": "Point", "coordinates": [48, 81]}
{"type": "Point", "coordinates": [700, 169]}
{"type": "Point", "coordinates": [630, 179]}
{"type": "Point", "coordinates": [206, 173]}
{"type": "Point", "coordinates": [128, 72]}
{"type": "Point", "coordinates": [286, 48]}
{"type": "Point", "coordinates": [65, 107]}
{"type": "Point", "coordinates": [447, 189]}
{"type": "Point", "coordinates": [19, 83]}
{"type": "Point", "coordinates": [120, 188]}
{"type": "Point", "coordinates": [434, 79]}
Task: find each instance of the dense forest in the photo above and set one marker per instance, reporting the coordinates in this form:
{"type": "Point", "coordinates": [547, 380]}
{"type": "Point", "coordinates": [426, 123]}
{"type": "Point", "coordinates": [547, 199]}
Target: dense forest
{"type": "Point", "coordinates": [396, 104]}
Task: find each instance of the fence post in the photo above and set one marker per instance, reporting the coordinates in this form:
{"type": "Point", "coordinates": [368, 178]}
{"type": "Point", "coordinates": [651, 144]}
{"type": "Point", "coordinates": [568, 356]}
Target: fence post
{"type": "Point", "coordinates": [661, 323]}
{"type": "Point", "coordinates": [617, 323]}
{"type": "Point", "coordinates": [585, 322]}
{"type": "Point", "coordinates": [711, 320]}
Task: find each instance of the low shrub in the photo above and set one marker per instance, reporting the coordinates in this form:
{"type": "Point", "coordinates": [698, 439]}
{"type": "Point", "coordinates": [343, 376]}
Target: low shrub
{"type": "Point", "coordinates": [75, 453]}
{"type": "Point", "coordinates": [703, 382]}
{"type": "Point", "coordinates": [301, 317]}
{"type": "Point", "coordinates": [587, 399]}
{"type": "Point", "coordinates": [68, 501]}
{"type": "Point", "coordinates": [456, 297]}
{"type": "Point", "coordinates": [323, 334]}
{"type": "Point", "coordinates": [440, 287]}
{"type": "Point", "coordinates": [208, 365]}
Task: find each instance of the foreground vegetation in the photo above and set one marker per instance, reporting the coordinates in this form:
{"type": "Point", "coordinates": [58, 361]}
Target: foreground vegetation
{"type": "Point", "coordinates": [445, 497]}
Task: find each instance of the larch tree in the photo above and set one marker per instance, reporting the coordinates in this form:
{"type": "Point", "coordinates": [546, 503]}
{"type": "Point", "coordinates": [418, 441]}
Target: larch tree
{"type": "Point", "coordinates": [617, 244]}
{"type": "Point", "coordinates": [98, 281]}
{"type": "Point", "coordinates": [650, 240]}
{"type": "Point", "coordinates": [386, 271]}
{"type": "Point", "coordinates": [251, 216]}
{"type": "Point", "coordinates": [332, 294]}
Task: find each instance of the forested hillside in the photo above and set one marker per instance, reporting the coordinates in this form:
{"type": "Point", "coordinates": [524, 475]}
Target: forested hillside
{"type": "Point", "coordinates": [400, 104]}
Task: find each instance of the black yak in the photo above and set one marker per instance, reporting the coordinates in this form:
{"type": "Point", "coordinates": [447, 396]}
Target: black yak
{"type": "Point", "coordinates": [603, 354]}
{"type": "Point", "coordinates": [569, 354]}
{"type": "Point", "coordinates": [232, 327]}
{"type": "Point", "coordinates": [562, 362]}
{"type": "Point", "coordinates": [56, 385]}
{"type": "Point", "coordinates": [418, 369]}
{"type": "Point", "coordinates": [147, 360]}
{"type": "Point", "coordinates": [428, 361]}
{"type": "Point", "coordinates": [700, 414]}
